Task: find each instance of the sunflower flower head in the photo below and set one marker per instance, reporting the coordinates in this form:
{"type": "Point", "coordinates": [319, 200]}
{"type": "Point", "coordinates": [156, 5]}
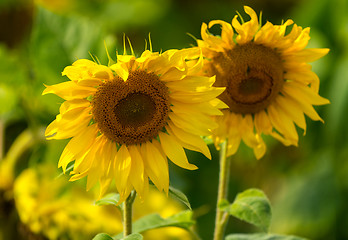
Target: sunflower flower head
{"type": "Point", "coordinates": [126, 119]}
{"type": "Point", "coordinates": [269, 83]}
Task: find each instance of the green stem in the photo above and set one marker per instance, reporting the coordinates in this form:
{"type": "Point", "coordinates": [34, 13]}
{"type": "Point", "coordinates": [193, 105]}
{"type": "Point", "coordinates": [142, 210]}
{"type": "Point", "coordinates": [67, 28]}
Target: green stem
{"type": "Point", "coordinates": [224, 176]}
{"type": "Point", "coordinates": [127, 214]}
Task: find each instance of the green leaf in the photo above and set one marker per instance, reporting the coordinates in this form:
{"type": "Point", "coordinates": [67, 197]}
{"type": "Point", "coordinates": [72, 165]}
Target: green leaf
{"type": "Point", "coordinates": [180, 196]}
{"type": "Point", "coordinates": [153, 221]}
{"type": "Point", "coordinates": [253, 207]}
{"type": "Point", "coordinates": [109, 199]}
{"type": "Point", "coordinates": [102, 236]}
{"type": "Point", "coordinates": [133, 236]}
{"type": "Point", "coordinates": [262, 236]}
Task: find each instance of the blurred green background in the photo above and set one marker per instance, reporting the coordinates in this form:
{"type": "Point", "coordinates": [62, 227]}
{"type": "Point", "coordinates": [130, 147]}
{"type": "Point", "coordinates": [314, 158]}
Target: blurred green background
{"type": "Point", "coordinates": [307, 185]}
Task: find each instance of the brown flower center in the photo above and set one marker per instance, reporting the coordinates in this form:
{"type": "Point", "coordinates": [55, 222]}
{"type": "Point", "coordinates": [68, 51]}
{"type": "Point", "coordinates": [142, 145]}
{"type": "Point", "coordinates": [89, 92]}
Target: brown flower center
{"type": "Point", "coordinates": [133, 111]}
{"type": "Point", "coordinates": [252, 75]}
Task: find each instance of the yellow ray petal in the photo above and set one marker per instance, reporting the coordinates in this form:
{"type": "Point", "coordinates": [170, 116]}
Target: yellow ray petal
{"type": "Point", "coordinates": [68, 125]}
{"type": "Point", "coordinates": [137, 170]}
{"type": "Point", "coordinates": [122, 167]}
{"type": "Point", "coordinates": [121, 70]}
{"type": "Point", "coordinates": [209, 108]}
{"type": "Point", "coordinates": [233, 145]}
{"type": "Point", "coordinates": [305, 106]}
{"type": "Point", "coordinates": [174, 74]}
{"type": "Point", "coordinates": [260, 150]}
{"type": "Point", "coordinates": [226, 32]}
{"type": "Point", "coordinates": [174, 151]}
{"type": "Point", "coordinates": [214, 42]}
{"type": "Point", "coordinates": [69, 90]}
{"type": "Point", "coordinates": [78, 145]}
{"type": "Point", "coordinates": [191, 83]}
{"type": "Point", "coordinates": [307, 55]}
{"type": "Point", "coordinates": [262, 122]}
{"type": "Point", "coordinates": [304, 77]}
{"type": "Point", "coordinates": [282, 123]}
{"type": "Point", "coordinates": [247, 131]}
{"type": "Point", "coordinates": [197, 97]}
{"type": "Point", "coordinates": [156, 166]}
{"type": "Point", "coordinates": [304, 93]}
{"type": "Point", "coordinates": [293, 112]}
{"type": "Point", "coordinates": [181, 121]}
{"type": "Point", "coordinates": [192, 142]}
{"type": "Point", "coordinates": [248, 29]}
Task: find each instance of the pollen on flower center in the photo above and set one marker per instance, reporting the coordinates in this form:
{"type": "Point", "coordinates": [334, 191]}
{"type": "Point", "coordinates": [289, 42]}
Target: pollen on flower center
{"type": "Point", "coordinates": [252, 75]}
{"type": "Point", "coordinates": [132, 111]}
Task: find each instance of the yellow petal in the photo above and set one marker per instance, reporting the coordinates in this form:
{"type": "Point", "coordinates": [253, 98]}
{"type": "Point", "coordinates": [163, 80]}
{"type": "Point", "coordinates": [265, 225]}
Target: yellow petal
{"type": "Point", "coordinates": [293, 112]}
{"type": "Point", "coordinates": [84, 63]}
{"type": "Point", "coordinates": [66, 157]}
{"type": "Point", "coordinates": [282, 123]}
{"type": "Point", "coordinates": [247, 131]}
{"type": "Point", "coordinates": [70, 90]}
{"type": "Point", "coordinates": [174, 151]}
{"type": "Point", "coordinates": [262, 122]}
{"type": "Point", "coordinates": [121, 70]}
{"type": "Point", "coordinates": [248, 29]}
{"type": "Point", "coordinates": [197, 97]}
{"type": "Point", "coordinates": [193, 142]}
{"type": "Point", "coordinates": [305, 106]}
{"type": "Point", "coordinates": [191, 83]}
{"type": "Point", "coordinates": [226, 32]}
{"type": "Point", "coordinates": [304, 93]}
{"type": "Point", "coordinates": [174, 74]}
{"type": "Point", "coordinates": [122, 167]}
{"type": "Point", "coordinates": [104, 185]}
{"type": "Point", "coordinates": [184, 121]}
{"type": "Point", "coordinates": [197, 67]}
{"type": "Point", "coordinates": [215, 43]}
{"type": "Point", "coordinates": [210, 108]}
{"type": "Point", "coordinates": [308, 55]}
{"type": "Point", "coordinates": [137, 174]}
{"type": "Point", "coordinates": [156, 166]}
{"type": "Point", "coordinates": [233, 145]}
{"type": "Point", "coordinates": [69, 124]}
{"type": "Point", "coordinates": [78, 145]}
{"type": "Point", "coordinates": [260, 150]}
{"type": "Point", "coordinates": [304, 77]}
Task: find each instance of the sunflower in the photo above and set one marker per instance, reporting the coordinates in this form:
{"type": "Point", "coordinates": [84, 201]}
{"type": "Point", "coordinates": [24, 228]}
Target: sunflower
{"type": "Point", "coordinates": [269, 83]}
{"type": "Point", "coordinates": [127, 118]}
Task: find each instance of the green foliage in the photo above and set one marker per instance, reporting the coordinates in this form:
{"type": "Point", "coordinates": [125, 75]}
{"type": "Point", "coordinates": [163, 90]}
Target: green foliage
{"type": "Point", "coordinates": [251, 206]}
{"type": "Point", "coordinates": [102, 236]}
{"type": "Point", "coordinates": [154, 221]}
{"type": "Point", "coordinates": [133, 236]}
{"type": "Point", "coordinates": [109, 199]}
{"type": "Point", "coordinates": [261, 236]}
{"type": "Point", "coordinates": [180, 196]}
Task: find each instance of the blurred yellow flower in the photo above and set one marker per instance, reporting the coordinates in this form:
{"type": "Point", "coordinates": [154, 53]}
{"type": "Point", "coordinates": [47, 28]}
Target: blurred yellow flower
{"type": "Point", "coordinates": [269, 83]}
{"type": "Point", "coordinates": [48, 207]}
{"type": "Point", "coordinates": [126, 119]}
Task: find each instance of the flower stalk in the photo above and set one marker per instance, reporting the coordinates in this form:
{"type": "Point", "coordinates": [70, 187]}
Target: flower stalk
{"type": "Point", "coordinates": [224, 176]}
{"type": "Point", "coordinates": [127, 214]}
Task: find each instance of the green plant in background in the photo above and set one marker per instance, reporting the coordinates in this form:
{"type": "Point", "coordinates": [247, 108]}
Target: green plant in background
{"type": "Point", "coordinates": [296, 187]}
